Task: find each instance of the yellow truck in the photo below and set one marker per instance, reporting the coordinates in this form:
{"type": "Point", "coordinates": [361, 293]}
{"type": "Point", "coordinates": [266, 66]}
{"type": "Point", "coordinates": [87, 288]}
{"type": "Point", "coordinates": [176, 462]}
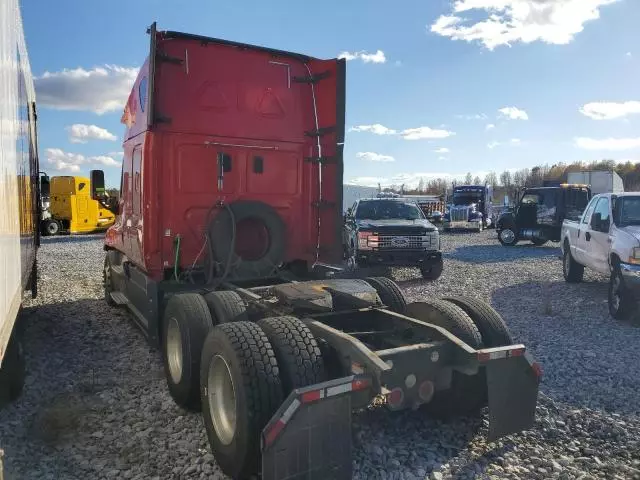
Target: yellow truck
{"type": "Point", "coordinates": [77, 205]}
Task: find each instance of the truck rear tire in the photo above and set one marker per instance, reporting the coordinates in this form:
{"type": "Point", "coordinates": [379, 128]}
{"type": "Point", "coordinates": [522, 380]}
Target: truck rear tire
{"type": "Point", "coordinates": [539, 242]}
{"type": "Point", "coordinates": [493, 329]}
{"type": "Point", "coordinates": [572, 271]}
{"type": "Point", "coordinates": [299, 357]}
{"type": "Point", "coordinates": [621, 303]}
{"type": "Point", "coordinates": [13, 371]}
{"type": "Point", "coordinates": [185, 325]}
{"type": "Point", "coordinates": [226, 306]}
{"type": "Point", "coordinates": [467, 393]}
{"type": "Point", "coordinates": [241, 390]}
{"type": "Point", "coordinates": [389, 293]}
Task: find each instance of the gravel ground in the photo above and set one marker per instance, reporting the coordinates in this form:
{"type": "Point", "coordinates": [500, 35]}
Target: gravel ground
{"type": "Point", "coordinates": [96, 405]}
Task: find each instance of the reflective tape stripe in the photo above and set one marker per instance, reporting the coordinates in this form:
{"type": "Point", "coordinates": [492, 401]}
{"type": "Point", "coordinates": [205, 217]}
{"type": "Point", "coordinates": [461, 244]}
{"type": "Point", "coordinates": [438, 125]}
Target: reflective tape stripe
{"type": "Point", "coordinates": [496, 354]}
{"type": "Point", "coordinates": [290, 410]}
{"type": "Point", "coordinates": [338, 389]}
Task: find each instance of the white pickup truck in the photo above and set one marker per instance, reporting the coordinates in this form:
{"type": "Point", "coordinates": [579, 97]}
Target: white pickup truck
{"type": "Point", "coordinates": [607, 239]}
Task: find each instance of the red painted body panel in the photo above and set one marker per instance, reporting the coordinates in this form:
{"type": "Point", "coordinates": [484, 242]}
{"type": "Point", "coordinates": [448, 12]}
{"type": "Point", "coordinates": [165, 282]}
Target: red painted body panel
{"type": "Point", "coordinates": [213, 97]}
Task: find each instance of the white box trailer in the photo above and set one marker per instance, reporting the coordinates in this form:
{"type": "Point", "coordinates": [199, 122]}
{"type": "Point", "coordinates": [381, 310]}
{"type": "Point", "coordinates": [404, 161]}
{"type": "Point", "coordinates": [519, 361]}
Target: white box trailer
{"type": "Point", "coordinates": [600, 181]}
{"type": "Point", "coordinates": [351, 193]}
{"type": "Point", "coordinates": [19, 194]}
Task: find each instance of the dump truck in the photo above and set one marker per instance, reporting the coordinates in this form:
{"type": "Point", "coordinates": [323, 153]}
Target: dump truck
{"type": "Point", "coordinates": [19, 215]}
{"type": "Point", "coordinates": [77, 204]}
{"type": "Point", "coordinates": [226, 250]}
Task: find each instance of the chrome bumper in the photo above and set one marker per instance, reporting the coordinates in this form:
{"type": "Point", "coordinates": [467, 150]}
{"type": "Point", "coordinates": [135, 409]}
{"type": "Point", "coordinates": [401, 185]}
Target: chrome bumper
{"type": "Point", "coordinates": [471, 224]}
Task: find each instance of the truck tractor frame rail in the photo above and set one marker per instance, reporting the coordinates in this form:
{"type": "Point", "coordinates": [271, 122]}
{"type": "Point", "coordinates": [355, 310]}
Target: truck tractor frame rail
{"type": "Point", "coordinates": [386, 354]}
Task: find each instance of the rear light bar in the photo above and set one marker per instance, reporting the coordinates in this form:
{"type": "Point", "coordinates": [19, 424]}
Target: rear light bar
{"type": "Point", "coordinates": [489, 354]}
{"type": "Point", "coordinates": [310, 395]}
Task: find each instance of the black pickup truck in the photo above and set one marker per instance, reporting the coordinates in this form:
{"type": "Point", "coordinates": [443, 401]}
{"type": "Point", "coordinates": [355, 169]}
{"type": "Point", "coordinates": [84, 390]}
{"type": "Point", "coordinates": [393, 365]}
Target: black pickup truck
{"type": "Point", "coordinates": [391, 232]}
{"type": "Point", "coordinates": [539, 214]}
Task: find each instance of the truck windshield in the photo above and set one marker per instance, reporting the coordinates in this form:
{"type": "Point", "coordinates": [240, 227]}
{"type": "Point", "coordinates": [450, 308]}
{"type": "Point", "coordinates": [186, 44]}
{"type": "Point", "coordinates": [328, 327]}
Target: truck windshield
{"type": "Point", "coordinates": [629, 211]}
{"type": "Point", "coordinates": [387, 210]}
{"type": "Point", "coordinates": [466, 198]}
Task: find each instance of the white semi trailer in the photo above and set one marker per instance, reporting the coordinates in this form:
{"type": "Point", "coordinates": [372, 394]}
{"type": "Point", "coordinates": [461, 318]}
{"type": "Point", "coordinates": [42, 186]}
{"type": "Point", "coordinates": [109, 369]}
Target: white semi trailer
{"type": "Point", "coordinates": [19, 196]}
{"type": "Point", "coordinates": [600, 181]}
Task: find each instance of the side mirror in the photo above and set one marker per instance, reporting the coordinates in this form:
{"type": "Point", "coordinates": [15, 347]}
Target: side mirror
{"type": "Point", "coordinates": [97, 184]}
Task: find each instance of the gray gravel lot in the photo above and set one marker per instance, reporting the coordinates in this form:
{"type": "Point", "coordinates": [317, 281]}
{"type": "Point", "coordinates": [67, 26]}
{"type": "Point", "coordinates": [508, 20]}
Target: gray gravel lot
{"type": "Point", "coordinates": [96, 405]}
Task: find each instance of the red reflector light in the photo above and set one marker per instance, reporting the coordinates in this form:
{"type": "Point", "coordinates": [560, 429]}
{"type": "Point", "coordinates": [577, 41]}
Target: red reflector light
{"type": "Point", "coordinates": [311, 396]}
{"type": "Point", "coordinates": [273, 433]}
{"type": "Point", "coordinates": [537, 369]}
{"type": "Point", "coordinates": [360, 384]}
{"type": "Point", "coordinates": [396, 397]}
{"type": "Point", "coordinates": [426, 391]}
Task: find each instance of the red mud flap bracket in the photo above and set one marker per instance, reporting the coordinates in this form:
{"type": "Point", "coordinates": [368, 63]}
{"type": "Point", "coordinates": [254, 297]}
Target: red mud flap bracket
{"type": "Point", "coordinates": [309, 437]}
{"type": "Point", "coordinates": [513, 378]}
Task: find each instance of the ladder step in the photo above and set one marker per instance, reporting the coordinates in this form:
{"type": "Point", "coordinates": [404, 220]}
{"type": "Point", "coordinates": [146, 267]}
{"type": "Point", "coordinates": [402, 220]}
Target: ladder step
{"type": "Point", "coordinates": [119, 298]}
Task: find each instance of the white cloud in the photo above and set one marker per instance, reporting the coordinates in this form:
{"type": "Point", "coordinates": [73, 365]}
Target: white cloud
{"type": "Point", "coordinates": [375, 157]}
{"type": "Point", "coordinates": [366, 57]}
{"type": "Point", "coordinates": [515, 142]}
{"type": "Point", "coordinates": [628, 54]}
{"type": "Point", "coordinates": [490, 126]}
{"type": "Point", "coordinates": [510, 21]}
{"type": "Point", "coordinates": [607, 143]}
{"type": "Point", "coordinates": [79, 133]}
{"type": "Point", "coordinates": [442, 150]}
{"type": "Point", "coordinates": [100, 90]}
{"type": "Point", "coordinates": [610, 110]}
{"type": "Point", "coordinates": [514, 113]}
{"type": "Point", "coordinates": [376, 129]}
{"type": "Point", "coordinates": [421, 133]}
{"type": "Point", "coordinates": [477, 116]}
{"type": "Point", "coordinates": [418, 133]}
{"type": "Point", "coordinates": [411, 180]}
{"type": "Point", "coordinates": [116, 154]}
{"type": "Point", "coordinates": [71, 162]}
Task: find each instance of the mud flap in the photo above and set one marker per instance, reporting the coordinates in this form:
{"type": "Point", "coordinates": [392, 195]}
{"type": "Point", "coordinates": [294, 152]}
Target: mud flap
{"type": "Point", "coordinates": [512, 385]}
{"type": "Point", "coordinates": [309, 437]}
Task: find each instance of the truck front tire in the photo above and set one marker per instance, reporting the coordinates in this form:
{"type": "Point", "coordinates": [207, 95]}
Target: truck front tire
{"type": "Point", "coordinates": [507, 237]}
{"type": "Point", "coordinates": [240, 392]}
{"type": "Point", "coordinates": [621, 303]}
{"type": "Point", "coordinates": [185, 325]}
{"type": "Point", "coordinates": [433, 272]}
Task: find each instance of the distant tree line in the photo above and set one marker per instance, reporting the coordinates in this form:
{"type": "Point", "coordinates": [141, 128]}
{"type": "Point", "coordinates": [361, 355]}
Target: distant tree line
{"type": "Point", "coordinates": [509, 182]}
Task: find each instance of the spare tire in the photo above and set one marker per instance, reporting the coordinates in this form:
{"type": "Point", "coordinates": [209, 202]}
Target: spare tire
{"type": "Point", "coordinates": [259, 242]}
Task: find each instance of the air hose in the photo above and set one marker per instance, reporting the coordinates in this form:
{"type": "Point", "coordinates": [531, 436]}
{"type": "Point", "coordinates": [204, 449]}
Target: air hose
{"type": "Point", "coordinates": [176, 262]}
{"type": "Point", "coordinates": [232, 250]}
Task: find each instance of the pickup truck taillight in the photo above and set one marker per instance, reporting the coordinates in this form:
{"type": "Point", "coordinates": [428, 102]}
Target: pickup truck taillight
{"type": "Point", "coordinates": [367, 240]}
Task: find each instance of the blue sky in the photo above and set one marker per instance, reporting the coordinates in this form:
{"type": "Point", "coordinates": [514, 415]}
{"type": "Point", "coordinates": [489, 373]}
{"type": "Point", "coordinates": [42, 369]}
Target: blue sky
{"type": "Point", "coordinates": [434, 87]}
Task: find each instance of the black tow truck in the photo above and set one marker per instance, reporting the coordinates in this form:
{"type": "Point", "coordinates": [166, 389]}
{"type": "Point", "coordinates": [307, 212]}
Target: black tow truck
{"type": "Point", "coordinates": [392, 232]}
{"type": "Point", "coordinates": [540, 212]}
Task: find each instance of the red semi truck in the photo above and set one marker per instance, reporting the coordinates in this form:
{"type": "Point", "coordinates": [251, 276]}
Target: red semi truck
{"type": "Point", "coordinates": [230, 215]}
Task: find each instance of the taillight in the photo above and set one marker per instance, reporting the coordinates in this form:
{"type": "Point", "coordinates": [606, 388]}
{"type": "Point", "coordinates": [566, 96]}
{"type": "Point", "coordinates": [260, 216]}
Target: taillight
{"type": "Point", "coordinates": [367, 240]}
